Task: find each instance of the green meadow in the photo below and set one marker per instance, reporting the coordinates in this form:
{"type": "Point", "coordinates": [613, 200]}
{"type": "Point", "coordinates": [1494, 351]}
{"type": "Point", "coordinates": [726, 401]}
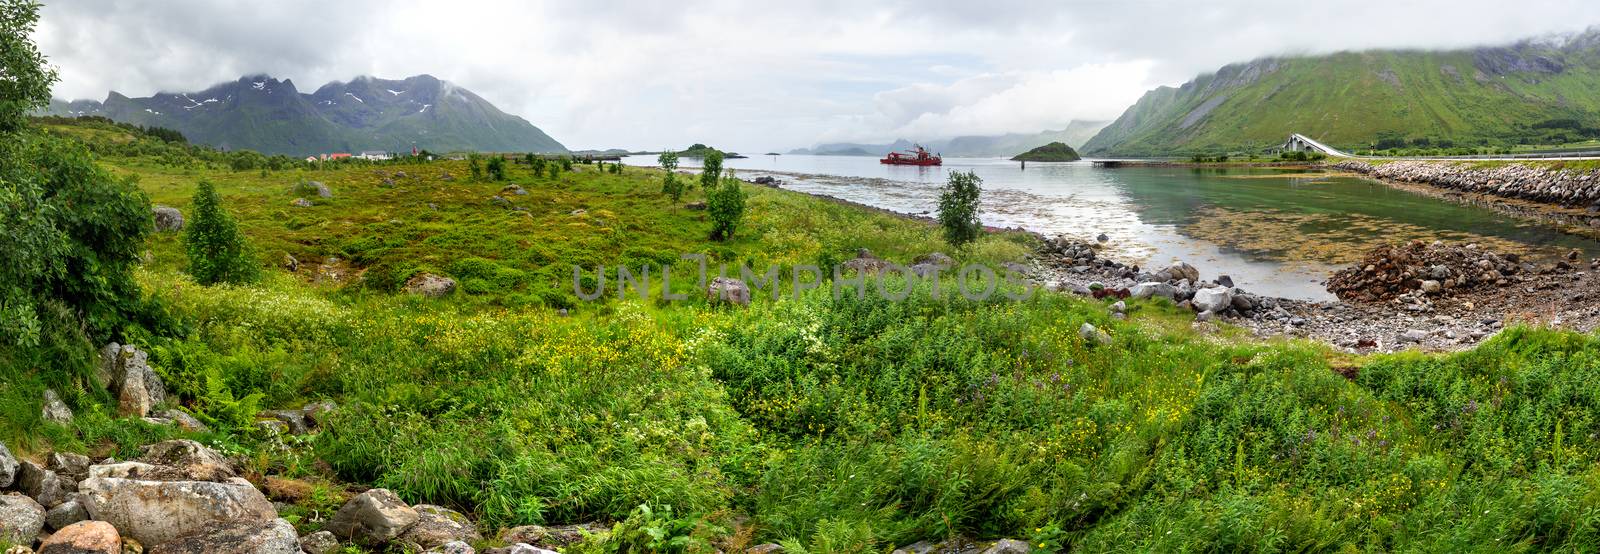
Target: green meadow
{"type": "Point", "coordinates": [826, 423]}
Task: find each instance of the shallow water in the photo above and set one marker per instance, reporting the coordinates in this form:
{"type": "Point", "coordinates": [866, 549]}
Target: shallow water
{"type": "Point", "coordinates": [1275, 231]}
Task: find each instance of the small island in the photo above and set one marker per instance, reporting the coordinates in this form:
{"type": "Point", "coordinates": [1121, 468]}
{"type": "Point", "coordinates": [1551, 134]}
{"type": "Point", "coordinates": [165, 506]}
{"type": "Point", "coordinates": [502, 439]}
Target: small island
{"type": "Point", "coordinates": [1053, 152]}
{"type": "Point", "coordinates": [700, 150]}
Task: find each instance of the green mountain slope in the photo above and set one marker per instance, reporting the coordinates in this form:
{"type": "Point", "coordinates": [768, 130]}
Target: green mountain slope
{"type": "Point", "coordinates": [273, 117]}
{"type": "Point", "coordinates": [1546, 90]}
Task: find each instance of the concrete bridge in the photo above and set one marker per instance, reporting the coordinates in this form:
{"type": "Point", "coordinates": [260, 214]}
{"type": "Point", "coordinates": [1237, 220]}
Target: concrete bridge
{"type": "Point", "coordinates": [1301, 143]}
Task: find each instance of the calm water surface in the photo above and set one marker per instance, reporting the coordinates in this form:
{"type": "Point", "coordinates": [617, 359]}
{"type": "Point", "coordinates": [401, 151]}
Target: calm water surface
{"type": "Point", "coordinates": [1278, 232]}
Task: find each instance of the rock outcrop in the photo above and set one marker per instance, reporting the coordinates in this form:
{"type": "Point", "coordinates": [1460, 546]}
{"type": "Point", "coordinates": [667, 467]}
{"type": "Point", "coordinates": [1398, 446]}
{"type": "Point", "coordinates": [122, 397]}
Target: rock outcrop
{"type": "Point", "coordinates": [235, 537]}
{"type": "Point", "coordinates": [430, 285]}
{"type": "Point", "coordinates": [21, 519]}
{"type": "Point", "coordinates": [154, 512]}
{"type": "Point", "coordinates": [127, 374]}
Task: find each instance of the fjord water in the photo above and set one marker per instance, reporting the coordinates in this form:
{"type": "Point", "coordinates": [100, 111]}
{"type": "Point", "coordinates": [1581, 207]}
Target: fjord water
{"type": "Point", "coordinates": [1275, 231]}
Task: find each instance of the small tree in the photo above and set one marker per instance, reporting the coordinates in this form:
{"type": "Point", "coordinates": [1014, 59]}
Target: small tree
{"type": "Point", "coordinates": [616, 168]}
{"type": "Point", "coordinates": [711, 171]}
{"type": "Point", "coordinates": [566, 163]}
{"type": "Point", "coordinates": [725, 204]}
{"type": "Point", "coordinates": [218, 252]}
{"type": "Point", "coordinates": [474, 166]}
{"type": "Point", "coordinates": [958, 208]}
{"type": "Point", "coordinates": [555, 170]}
{"type": "Point", "coordinates": [497, 168]}
{"type": "Point", "coordinates": [669, 184]}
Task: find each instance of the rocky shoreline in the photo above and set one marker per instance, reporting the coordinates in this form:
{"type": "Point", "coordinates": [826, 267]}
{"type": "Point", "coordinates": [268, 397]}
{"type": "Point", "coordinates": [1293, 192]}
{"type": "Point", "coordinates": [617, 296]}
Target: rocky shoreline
{"type": "Point", "coordinates": [1390, 302]}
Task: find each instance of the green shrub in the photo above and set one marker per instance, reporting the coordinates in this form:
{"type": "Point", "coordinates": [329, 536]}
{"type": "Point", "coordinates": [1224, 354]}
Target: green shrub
{"type": "Point", "coordinates": [710, 170]}
{"type": "Point", "coordinates": [958, 208]}
{"type": "Point", "coordinates": [218, 252]}
{"type": "Point", "coordinates": [496, 168]}
{"type": "Point", "coordinates": [725, 205]}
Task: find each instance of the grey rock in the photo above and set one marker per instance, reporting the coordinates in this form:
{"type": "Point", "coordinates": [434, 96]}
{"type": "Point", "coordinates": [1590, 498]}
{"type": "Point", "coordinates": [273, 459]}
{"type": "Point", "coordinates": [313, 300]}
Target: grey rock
{"type": "Point", "coordinates": [452, 547]}
{"type": "Point", "coordinates": [1431, 286]}
{"type": "Point", "coordinates": [8, 467]}
{"type": "Point", "coordinates": [294, 419]}
{"type": "Point", "coordinates": [1214, 299]}
{"type": "Point", "coordinates": [1093, 335]}
{"type": "Point", "coordinates": [42, 485]}
{"type": "Point", "coordinates": [317, 413]}
{"type": "Point", "coordinates": [317, 187]}
{"type": "Point", "coordinates": [1153, 289]}
{"type": "Point", "coordinates": [320, 542]}
{"type": "Point", "coordinates": [1225, 280]}
{"type": "Point", "coordinates": [235, 537]}
{"type": "Point", "coordinates": [55, 411]}
{"type": "Point", "coordinates": [1414, 335]}
{"type": "Point", "coordinates": [521, 548]}
{"type": "Point", "coordinates": [373, 518]}
{"type": "Point", "coordinates": [74, 466]}
{"type": "Point", "coordinates": [1204, 316]}
{"type": "Point", "coordinates": [768, 548]}
{"type": "Point", "coordinates": [185, 421]}
{"type": "Point", "coordinates": [437, 525]}
{"type": "Point", "coordinates": [137, 387]}
{"type": "Point", "coordinates": [727, 289]}
{"type": "Point", "coordinates": [300, 203]}
{"type": "Point", "coordinates": [66, 513]}
{"type": "Point", "coordinates": [1008, 546]}
{"type": "Point", "coordinates": [168, 219]}
{"type": "Point", "coordinates": [21, 519]}
{"type": "Point", "coordinates": [154, 512]}
{"type": "Point", "coordinates": [1119, 307]}
{"type": "Point", "coordinates": [430, 285]}
{"type": "Point", "coordinates": [192, 458]}
{"type": "Point", "coordinates": [1102, 237]}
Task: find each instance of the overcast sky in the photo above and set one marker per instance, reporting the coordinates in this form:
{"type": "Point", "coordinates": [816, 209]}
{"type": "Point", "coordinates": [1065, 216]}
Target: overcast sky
{"type": "Point", "coordinates": [748, 76]}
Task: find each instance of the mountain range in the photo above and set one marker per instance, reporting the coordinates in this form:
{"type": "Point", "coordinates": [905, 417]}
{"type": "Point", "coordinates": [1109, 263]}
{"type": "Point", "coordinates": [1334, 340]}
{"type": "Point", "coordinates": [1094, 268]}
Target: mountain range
{"type": "Point", "coordinates": [1539, 91]}
{"type": "Point", "coordinates": [1008, 145]}
{"type": "Point", "coordinates": [258, 112]}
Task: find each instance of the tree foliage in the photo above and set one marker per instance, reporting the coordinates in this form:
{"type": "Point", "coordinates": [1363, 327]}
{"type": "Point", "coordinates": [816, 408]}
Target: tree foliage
{"type": "Point", "coordinates": [72, 231]}
{"type": "Point", "coordinates": [725, 204]}
{"type": "Point", "coordinates": [711, 171]}
{"type": "Point", "coordinates": [958, 208]}
{"type": "Point", "coordinates": [670, 185]}
{"type": "Point", "coordinates": [24, 78]}
{"type": "Point", "coordinates": [218, 252]}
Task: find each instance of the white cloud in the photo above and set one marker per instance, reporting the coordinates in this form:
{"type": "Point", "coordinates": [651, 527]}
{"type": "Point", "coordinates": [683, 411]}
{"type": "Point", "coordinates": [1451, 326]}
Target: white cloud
{"type": "Point", "coordinates": [647, 74]}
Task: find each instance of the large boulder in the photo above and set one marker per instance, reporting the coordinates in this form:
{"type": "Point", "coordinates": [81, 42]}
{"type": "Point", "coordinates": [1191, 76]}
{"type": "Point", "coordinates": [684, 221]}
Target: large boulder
{"type": "Point", "coordinates": [55, 411]}
{"type": "Point", "coordinates": [373, 518]}
{"type": "Point", "coordinates": [137, 470]}
{"type": "Point", "coordinates": [154, 512]}
{"type": "Point", "coordinates": [168, 219]}
{"type": "Point", "coordinates": [1008, 546]}
{"type": "Point", "coordinates": [866, 263]}
{"type": "Point", "coordinates": [1153, 289]}
{"type": "Point", "coordinates": [235, 537]}
{"type": "Point", "coordinates": [127, 374]}
{"type": "Point", "coordinates": [727, 289]}
{"type": "Point", "coordinates": [43, 485]}
{"type": "Point", "coordinates": [430, 285]}
{"type": "Point", "coordinates": [294, 419]}
{"type": "Point", "coordinates": [1214, 299]}
{"type": "Point", "coordinates": [84, 537]}
{"type": "Point", "coordinates": [21, 519]}
{"type": "Point", "coordinates": [185, 421]}
{"type": "Point", "coordinates": [192, 458]}
{"type": "Point", "coordinates": [437, 525]}
{"type": "Point", "coordinates": [8, 467]}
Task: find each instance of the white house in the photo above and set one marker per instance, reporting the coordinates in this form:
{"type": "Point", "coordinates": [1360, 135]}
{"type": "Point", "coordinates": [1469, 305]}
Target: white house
{"type": "Point", "coordinates": [374, 155]}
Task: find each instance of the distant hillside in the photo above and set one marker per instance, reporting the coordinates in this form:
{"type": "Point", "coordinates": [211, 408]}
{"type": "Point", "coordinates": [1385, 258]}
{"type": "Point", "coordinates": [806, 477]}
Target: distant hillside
{"type": "Point", "coordinates": [1000, 146]}
{"type": "Point", "coordinates": [1539, 91]}
{"type": "Point", "coordinates": [1053, 152]}
{"type": "Point", "coordinates": [271, 116]}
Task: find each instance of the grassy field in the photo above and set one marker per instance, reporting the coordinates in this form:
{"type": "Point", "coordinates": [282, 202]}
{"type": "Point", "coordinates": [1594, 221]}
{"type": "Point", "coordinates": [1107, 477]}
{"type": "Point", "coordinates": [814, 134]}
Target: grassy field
{"type": "Point", "coordinates": [831, 424]}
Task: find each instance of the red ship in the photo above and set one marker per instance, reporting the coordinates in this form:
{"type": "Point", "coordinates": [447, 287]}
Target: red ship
{"type": "Point", "coordinates": [920, 156]}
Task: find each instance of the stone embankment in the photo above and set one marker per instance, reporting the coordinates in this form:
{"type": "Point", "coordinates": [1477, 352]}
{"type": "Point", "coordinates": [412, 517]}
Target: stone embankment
{"type": "Point", "coordinates": [1567, 188]}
